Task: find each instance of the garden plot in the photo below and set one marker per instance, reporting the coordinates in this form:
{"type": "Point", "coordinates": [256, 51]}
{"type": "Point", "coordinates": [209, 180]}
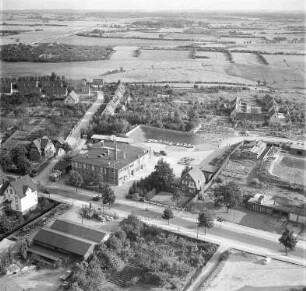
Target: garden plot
{"type": "Point", "coordinates": [237, 170]}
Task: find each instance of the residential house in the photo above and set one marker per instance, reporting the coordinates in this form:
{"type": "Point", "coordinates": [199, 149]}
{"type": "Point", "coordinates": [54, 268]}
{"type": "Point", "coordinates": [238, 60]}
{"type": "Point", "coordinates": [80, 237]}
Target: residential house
{"type": "Point", "coordinates": [116, 162]}
{"type": "Point", "coordinates": [97, 84]}
{"type": "Point", "coordinates": [193, 181]}
{"type": "Point", "coordinates": [294, 210]}
{"type": "Point", "coordinates": [4, 181]}
{"type": "Point", "coordinates": [66, 237]}
{"type": "Point", "coordinates": [72, 98]}
{"type": "Point", "coordinates": [47, 147]}
{"type": "Point", "coordinates": [115, 101]}
{"type": "Point", "coordinates": [21, 194]}
{"type": "Point", "coordinates": [242, 111]}
{"type": "Point", "coordinates": [41, 147]}
{"type": "Point", "coordinates": [253, 150]}
{"type": "Point", "coordinates": [35, 151]}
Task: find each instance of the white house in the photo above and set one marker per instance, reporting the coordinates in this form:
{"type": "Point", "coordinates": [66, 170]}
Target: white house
{"type": "Point", "coordinates": [22, 194]}
{"type": "Point", "coordinates": [72, 98]}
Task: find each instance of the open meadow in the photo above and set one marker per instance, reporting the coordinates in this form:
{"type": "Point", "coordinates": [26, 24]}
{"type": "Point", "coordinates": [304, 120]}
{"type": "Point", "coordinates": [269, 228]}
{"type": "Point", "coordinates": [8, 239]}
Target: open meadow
{"type": "Point", "coordinates": [290, 169]}
{"type": "Point", "coordinates": [245, 271]}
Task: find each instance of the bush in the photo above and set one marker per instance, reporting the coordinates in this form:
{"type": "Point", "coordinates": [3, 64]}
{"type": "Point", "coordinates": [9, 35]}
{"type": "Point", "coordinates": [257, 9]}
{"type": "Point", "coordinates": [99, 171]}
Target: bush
{"type": "Point", "coordinates": [224, 256]}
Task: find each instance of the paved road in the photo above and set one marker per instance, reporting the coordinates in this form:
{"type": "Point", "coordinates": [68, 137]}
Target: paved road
{"type": "Point", "coordinates": [244, 238]}
{"type": "Point", "coordinates": [74, 139]}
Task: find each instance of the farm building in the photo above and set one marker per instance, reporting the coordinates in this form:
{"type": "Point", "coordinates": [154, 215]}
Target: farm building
{"type": "Point", "coordinates": [295, 211]}
{"type": "Point", "coordinates": [66, 237]}
{"type": "Point", "coordinates": [192, 182]}
{"type": "Point", "coordinates": [298, 149]}
{"type": "Point", "coordinates": [253, 150]}
{"type": "Point", "coordinates": [116, 162]}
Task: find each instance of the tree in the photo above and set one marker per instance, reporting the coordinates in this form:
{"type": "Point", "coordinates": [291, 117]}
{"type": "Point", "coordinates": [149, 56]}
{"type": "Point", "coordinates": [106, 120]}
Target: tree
{"type": "Point", "coordinates": [227, 194]}
{"type": "Point", "coordinates": [289, 239]}
{"type": "Point", "coordinates": [76, 179]}
{"type": "Point", "coordinates": [168, 214]}
{"type": "Point", "coordinates": [163, 174]}
{"type": "Point", "coordinates": [205, 219]}
{"type": "Point", "coordinates": [177, 194]}
{"type": "Point", "coordinates": [67, 147]}
{"type": "Point", "coordinates": [185, 171]}
{"type": "Point", "coordinates": [108, 195]}
{"type": "Point", "coordinates": [132, 226]}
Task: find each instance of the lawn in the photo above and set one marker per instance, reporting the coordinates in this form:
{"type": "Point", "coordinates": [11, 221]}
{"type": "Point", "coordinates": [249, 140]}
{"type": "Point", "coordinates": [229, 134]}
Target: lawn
{"type": "Point", "coordinates": [289, 169]}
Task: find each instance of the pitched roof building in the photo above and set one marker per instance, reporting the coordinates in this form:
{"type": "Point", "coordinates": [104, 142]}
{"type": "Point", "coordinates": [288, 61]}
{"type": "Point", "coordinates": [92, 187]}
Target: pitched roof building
{"type": "Point", "coordinates": [68, 237]}
{"type": "Point", "coordinates": [193, 181]}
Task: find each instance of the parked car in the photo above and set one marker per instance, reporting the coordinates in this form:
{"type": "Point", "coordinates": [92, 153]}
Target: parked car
{"type": "Point", "coordinates": [55, 175]}
{"type": "Point", "coordinates": [96, 198]}
{"type": "Point", "coordinates": [66, 275]}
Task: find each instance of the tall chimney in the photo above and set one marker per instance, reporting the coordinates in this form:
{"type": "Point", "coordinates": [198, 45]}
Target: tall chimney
{"type": "Point", "coordinates": [116, 151]}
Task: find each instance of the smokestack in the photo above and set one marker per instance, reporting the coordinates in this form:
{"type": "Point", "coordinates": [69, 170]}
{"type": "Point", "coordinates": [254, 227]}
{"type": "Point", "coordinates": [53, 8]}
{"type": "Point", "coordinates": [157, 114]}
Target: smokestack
{"type": "Point", "coordinates": [116, 154]}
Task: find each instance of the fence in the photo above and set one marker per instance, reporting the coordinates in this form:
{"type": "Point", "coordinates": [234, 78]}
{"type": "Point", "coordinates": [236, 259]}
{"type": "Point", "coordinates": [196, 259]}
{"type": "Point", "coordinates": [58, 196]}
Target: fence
{"type": "Point", "coordinates": [215, 176]}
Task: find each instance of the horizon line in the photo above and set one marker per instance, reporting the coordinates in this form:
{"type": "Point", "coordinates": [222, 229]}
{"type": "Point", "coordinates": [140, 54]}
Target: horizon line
{"type": "Point", "coordinates": [161, 10]}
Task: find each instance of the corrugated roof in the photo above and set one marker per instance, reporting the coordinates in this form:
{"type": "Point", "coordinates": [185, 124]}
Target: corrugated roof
{"type": "Point", "coordinates": [112, 138]}
{"type": "Point", "coordinates": [63, 241]}
{"type": "Point", "coordinates": [78, 230]}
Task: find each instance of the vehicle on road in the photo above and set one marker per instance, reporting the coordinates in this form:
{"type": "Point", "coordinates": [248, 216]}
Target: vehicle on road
{"type": "Point", "coordinates": [55, 175]}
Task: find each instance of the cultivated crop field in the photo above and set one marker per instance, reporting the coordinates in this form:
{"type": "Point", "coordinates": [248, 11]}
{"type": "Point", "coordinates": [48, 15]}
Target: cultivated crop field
{"type": "Point", "coordinates": [245, 58]}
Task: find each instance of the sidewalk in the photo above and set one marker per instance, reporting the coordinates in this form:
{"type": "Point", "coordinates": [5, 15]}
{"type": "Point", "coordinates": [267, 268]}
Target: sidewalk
{"type": "Point", "coordinates": [236, 228]}
{"type": "Point", "coordinates": [216, 239]}
{"type": "Point", "coordinates": [207, 269]}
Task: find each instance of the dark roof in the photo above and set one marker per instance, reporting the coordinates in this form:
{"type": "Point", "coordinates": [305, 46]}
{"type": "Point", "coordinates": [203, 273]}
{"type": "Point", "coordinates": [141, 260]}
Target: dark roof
{"type": "Point", "coordinates": [63, 241]}
{"type": "Point", "coordinates": [212, 162]}
{"type": "Point", "coordinates": [21, 184]}
{"type": "Point", "coordinates": [78, 230]}
{"type": "Point", "coordinates": [96, 156]}
{"type": "Point", "coordinates": [97, 81]}
{"type": "Point", "coordinates": [44, 141]}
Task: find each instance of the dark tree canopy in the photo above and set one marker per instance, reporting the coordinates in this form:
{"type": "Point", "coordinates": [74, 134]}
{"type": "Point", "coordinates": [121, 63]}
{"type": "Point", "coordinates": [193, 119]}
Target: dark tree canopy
{"type": "Point", "coordinates": [289, 239]}
{"type": "Point", "coordinates": [108, 195]}
{"type": "Point", "coordinates": [205, 219]}
{"type": "Point", "coordinates": [228, 194]}
{"type": "Point", "coordinates": [167, 214]}
{"type": "Point", "coordinates": [163, 174]}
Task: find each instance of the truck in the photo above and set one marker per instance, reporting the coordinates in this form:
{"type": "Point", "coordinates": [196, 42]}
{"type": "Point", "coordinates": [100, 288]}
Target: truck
{"type": "Point", "coordinates": [55, 175]}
